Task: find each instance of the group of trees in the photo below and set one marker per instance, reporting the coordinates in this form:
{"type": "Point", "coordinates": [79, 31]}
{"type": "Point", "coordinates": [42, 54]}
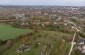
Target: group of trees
{"type": "Point", "coordinates": [59, 27]}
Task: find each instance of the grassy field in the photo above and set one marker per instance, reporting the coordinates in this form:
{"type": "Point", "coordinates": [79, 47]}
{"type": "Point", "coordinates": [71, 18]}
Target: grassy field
{"type": "Point", "coordinates": [51, 37]}
{"type": "Point", "coordinates": [8, 32]}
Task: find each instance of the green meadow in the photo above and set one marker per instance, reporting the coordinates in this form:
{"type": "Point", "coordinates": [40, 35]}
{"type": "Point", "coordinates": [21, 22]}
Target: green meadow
{"type": "Point", "coordinates": [52, 37]}
{"type": "Point", "coordinates": [8, 32]}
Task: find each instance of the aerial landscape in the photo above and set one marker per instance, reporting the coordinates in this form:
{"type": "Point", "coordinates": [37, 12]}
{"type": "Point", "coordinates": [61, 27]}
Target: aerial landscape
{"type": "Point", "coordinates": [42, 28]}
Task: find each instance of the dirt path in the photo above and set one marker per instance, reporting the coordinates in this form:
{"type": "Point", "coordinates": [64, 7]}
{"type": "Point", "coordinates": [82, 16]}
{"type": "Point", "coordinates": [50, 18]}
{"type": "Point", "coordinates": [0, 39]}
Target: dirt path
{"type": "Point", "coordinates": [72, 44]}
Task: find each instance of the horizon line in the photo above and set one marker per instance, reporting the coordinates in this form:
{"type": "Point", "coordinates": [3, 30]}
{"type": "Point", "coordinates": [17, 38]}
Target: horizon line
{"type": "Point", "coordinates": [35, 5]}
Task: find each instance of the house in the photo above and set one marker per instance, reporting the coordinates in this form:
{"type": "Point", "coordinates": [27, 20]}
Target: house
{"type": "Point", "coordinates": [81, 46]}
{"type": "Point", "coordinates": [82, 41]}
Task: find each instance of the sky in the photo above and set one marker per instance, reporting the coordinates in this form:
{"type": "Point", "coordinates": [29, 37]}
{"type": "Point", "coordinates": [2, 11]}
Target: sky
{"type": "Point", "coordinates": [44, 2]}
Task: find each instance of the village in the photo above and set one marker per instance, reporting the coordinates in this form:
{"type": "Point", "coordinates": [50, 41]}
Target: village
{"type": "Point", "coordinates": [53, 30]}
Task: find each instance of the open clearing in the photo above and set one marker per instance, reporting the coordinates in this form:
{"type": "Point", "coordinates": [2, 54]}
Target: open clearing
{"type": "Point", "coordinates": [8, 32]}
{"type": "Point", "coordinates": [45, 36]}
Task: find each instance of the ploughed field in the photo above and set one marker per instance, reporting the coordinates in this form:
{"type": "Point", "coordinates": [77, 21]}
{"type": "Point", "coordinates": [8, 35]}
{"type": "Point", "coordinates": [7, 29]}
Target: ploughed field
{"type": "Point", "coordinates": [8, 32]}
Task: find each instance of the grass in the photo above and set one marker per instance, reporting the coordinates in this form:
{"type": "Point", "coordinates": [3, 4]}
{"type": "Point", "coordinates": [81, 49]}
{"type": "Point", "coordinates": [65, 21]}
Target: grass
{"type": "Point", "coordinates": [12, 51]}
{"type": "Point", "coordinates": [8, 32]}
{"type": "Point", "coordinates": [46, 36]}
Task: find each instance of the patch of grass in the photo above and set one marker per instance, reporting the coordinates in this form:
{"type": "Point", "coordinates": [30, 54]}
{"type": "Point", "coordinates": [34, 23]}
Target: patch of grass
{"type": "Point", "coordinates": [50, 36]}
{"type": "Point", "coordinates": [8, 32]}
{"type": "Point", "coordinates": [12, 51]}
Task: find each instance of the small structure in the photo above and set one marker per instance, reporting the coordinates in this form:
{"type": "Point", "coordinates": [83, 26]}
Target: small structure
{"type": "Point", "coordinates": [81, 46]}
{"type": "Point", "coordinates": [82, 41]}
